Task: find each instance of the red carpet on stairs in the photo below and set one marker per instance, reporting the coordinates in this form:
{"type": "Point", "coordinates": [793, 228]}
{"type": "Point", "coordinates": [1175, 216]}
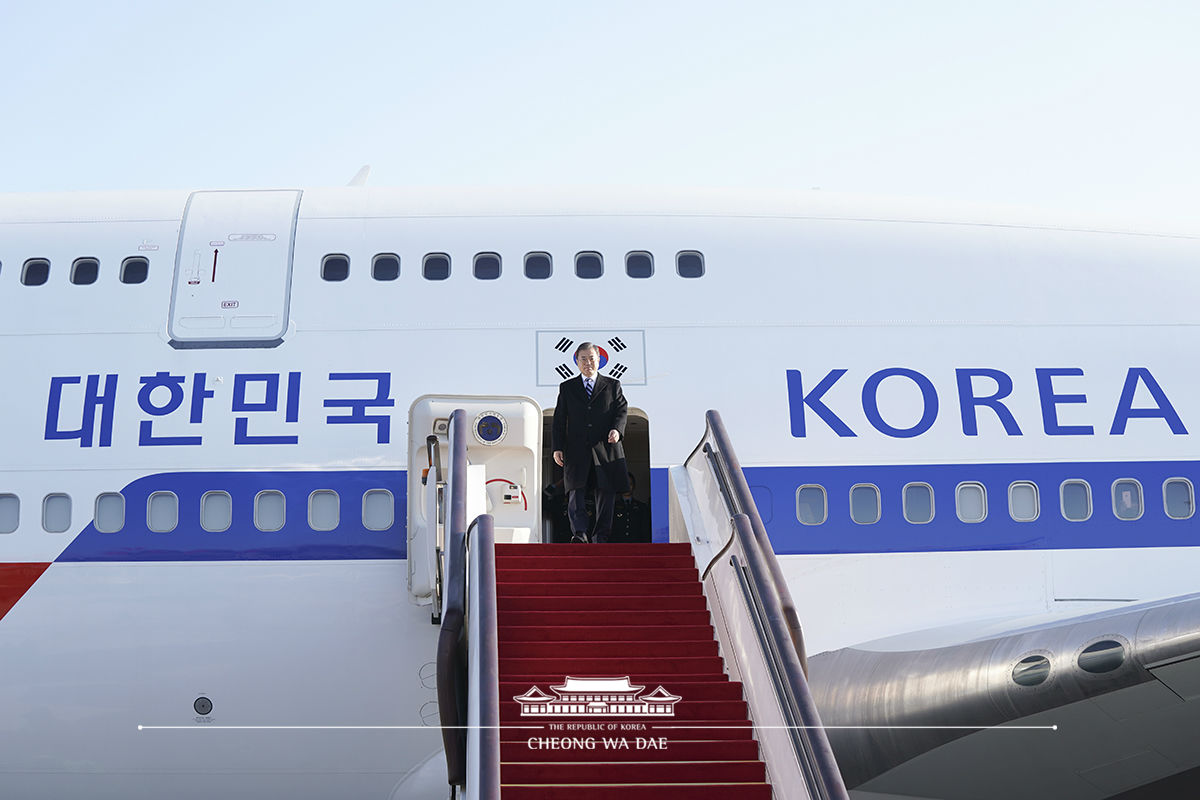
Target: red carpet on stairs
{"type": "Point", "coordinates": [619, 621]}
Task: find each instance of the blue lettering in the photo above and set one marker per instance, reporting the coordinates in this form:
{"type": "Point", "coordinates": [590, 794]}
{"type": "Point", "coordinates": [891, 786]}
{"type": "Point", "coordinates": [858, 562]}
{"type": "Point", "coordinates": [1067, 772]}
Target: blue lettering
{"type": "Point", "coordinates": [870, 401]}
{"type": "Point", "coordinates": [270, 402]}
{"type": "Point", "coordinates": [797, 400]}
{"type": "Point", "coordinates": [1162, 409]}
{"type": "Point", "coordinates": [358, 408]}
{"type": "Point", "coordinates": [1051, 401]}
{"type": "Point", "coordinates": [174, 386]}
{"type": "Point", "coordinates": [93, 399]}
{"type": "Point", "coordinates": [200, 393]}
{"type": "Point", "coordinates": [968, 401]}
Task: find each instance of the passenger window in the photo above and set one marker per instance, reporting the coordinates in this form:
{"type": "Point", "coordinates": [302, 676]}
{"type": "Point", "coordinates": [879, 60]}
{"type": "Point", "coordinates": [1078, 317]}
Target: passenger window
{"type": "Point", "coordinates": [216, 511]}
{"type": "Point", "coordinates": [10, 513]}
{"type": "Point", "coordinates": [1127, 499]}
{"type": "Point", "coordinates": [589, 265]}
{"type": "Point", "coordinates": [335, 267]}
{"type": "Point", "coordinates": [36, 272]}
{"type": "Point", "coordinates": [436, 267]}
{"type": "Point", "coordinates": [135, 269]}
{"type": "Point", "coordinates": [538, 266]}
{"type": "Point", "coordinates": [864, 504]}
{"type": "Point", "coordinates": [162, 512]}
{"type": "Point", "coordinates": [270, 512]}
{"type": "Point", "coordinates": [639, 265]}
{"type": "Point", "coordinates": [918, 503]}
{"type": "Point", "coordinates": [1076, 499]}
{"type": "Point", "coordinates": [110, 512]}
{"type": "Point", "coordinates": [323, 510]}
{"type": "Point", "coordinates": [689, 264]}
{"type": "Point", "coordinates": [385, 267]}
{"type": "Point", "coordinates": [1179, 498]}
{"type": "Point", "coordinates": [85, 271]}
{"type": "Point", "coordinates": [970, 502]}
{"type": "Point", "coordinates": [56, 513]}
{"type": "Point", "coordinates": [812, 506]}
{"type": "Point", "coordinates": [486, 266]}
{"type": "Point", "coordinates": [1023, 501]}
{"type": "Point", "coordinates": [378, 510]}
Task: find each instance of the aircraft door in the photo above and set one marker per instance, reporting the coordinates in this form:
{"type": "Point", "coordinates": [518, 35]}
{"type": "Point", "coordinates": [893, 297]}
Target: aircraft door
{"type": "Point", "coordinates": [233, 269]}
{"type": "Point", "coordinates": [631, 516]}
{"type": "Point", "coordinates": [504, 476]}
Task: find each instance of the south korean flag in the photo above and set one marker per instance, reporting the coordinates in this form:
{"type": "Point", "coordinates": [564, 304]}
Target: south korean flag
{"type": "Point", "coordinates": [622, 355]}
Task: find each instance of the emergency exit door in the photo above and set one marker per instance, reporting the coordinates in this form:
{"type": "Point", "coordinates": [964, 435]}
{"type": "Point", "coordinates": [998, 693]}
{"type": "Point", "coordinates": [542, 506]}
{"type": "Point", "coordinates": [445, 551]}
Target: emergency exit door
{"type": "Point", "coordinates": [233, 269]}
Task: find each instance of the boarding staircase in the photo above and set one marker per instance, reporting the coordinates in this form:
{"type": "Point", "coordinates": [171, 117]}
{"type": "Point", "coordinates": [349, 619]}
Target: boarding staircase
{"type": "Point", "coordinates": [616, 611]}
{"type": "Point", "coordinates": [668, 670]}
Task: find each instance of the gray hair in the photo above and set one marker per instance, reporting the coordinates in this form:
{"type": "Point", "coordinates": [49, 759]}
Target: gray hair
{"type": "Point", "coordinates": [585, 346]}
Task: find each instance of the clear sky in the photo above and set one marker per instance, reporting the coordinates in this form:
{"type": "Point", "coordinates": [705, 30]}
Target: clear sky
{"type": "Point", "coordinates": [1085, 106]}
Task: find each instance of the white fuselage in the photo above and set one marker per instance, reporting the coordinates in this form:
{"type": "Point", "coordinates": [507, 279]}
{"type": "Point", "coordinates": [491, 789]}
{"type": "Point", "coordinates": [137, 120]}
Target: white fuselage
{"type": "Point", "coordinates": [844, 348]}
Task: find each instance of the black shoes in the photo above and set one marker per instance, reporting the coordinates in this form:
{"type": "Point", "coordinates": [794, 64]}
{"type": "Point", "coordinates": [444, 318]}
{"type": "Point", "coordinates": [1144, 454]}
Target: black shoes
{"type": "Point", "coordinates": [579, 538]}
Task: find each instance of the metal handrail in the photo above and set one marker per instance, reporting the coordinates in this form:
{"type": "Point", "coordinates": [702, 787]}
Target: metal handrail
{"type": "Point", "coordinates": [804, 726]}
{"type": "Point", "coordinates": [470, 575]}
{"type": "Point", "coordinates": [481, 546]}
{"type": "Point", "coordinates": [452, 645]}
{"type": "Point", "coordinates": [770, 603]}
{"type": "Point", "coordinates": [731, 479]}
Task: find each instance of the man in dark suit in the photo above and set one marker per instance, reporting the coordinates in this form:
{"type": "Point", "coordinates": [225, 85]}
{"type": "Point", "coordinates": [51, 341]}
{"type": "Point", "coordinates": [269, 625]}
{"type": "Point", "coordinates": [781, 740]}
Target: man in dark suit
{"type": "Point", "coordinates": [589, 421]}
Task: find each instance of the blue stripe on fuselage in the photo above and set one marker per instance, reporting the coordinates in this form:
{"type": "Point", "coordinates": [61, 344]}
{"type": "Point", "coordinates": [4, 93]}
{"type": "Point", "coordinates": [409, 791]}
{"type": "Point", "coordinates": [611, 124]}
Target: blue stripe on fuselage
{"type": "Point", "coordinates": [774, 490]}
{"type": "Point", "coordinates": [946, 532]}
{"type": "Point", "coordinates": [243, 541]}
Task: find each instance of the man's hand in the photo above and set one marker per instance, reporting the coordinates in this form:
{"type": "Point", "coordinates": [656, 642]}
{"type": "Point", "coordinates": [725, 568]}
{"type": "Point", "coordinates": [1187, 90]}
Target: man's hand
{"type": "Point", "coordinates": [558, 457]}
{"type": "Point", "coordinates": [613, 437]}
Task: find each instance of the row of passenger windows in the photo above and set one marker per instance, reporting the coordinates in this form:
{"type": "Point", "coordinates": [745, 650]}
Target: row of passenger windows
{"type": "Point", "coordinates": [488, 266]}
{"type": "Point", "coordinates": [386, 267]}
{"type": "Point", "coordinates": [84, 271]}
{"type": "Point", "coordinates": [215, 512]}
{"type": "Point", "coordinates": [971, 501]}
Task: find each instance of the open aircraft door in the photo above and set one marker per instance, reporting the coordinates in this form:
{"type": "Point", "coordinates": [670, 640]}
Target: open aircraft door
{"type": "Point", "coordinates": [503, 478]}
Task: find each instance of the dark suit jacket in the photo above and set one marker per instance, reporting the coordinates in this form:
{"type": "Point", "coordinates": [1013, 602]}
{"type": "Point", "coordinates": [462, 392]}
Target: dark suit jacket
{"type": "Point", "coordinates": [581, 427]}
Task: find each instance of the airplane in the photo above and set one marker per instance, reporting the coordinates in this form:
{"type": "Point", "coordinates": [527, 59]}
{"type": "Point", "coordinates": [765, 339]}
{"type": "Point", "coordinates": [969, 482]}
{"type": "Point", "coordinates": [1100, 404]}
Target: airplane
{"type": "Point", "coordinates": [968, 432]}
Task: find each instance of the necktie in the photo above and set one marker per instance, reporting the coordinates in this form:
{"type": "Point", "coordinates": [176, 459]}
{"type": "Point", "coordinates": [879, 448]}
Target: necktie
{"type": "Point", "coordinates": [587, 384]}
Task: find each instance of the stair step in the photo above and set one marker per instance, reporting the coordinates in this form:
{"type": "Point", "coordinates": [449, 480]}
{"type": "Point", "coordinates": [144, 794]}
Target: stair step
{"type": "Point", "coordinates": [598, 619]}
{"type": "Point", "coordinates": [563, 588]}
{"type": "Point", "coordinates": [643, 791]}
{"type": "Point", "coordinates": [608, 649]}
{"type": "Point", "coordinates": [683, 750]}
{"type": "Point", "coordinates": [689, 690]}
{"type": "Point", "coordinates": [633, 601]}
{"type": "Point", "coordinates": [680, 679]}
{"type": "Point", "coordinates": [728, 710]}
{"type": "Point", "coordinates": [652, 549]}
{"type": "Point", "coordinates": [605, 633]}
{"type": "Point", "coordinates": [633, 771]}
{"type": "Point", "coordinates": [555, 573]}
{"type": "Point", "coordinates": [587, 665]}
{"type": "Point", "coordinates": [584, 559]}
{"type": "Point", "coordinates": [700, 730]}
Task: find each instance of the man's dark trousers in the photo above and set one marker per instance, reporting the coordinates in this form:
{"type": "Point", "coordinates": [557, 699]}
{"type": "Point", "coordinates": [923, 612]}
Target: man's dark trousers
{"type": "Point", "coordinates": [577, 510]}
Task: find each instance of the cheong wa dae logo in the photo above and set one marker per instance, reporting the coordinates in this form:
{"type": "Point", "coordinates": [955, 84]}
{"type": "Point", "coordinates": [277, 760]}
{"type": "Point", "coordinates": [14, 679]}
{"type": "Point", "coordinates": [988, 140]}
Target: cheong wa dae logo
{"type": "Point", "coordinates": [600, 697]}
